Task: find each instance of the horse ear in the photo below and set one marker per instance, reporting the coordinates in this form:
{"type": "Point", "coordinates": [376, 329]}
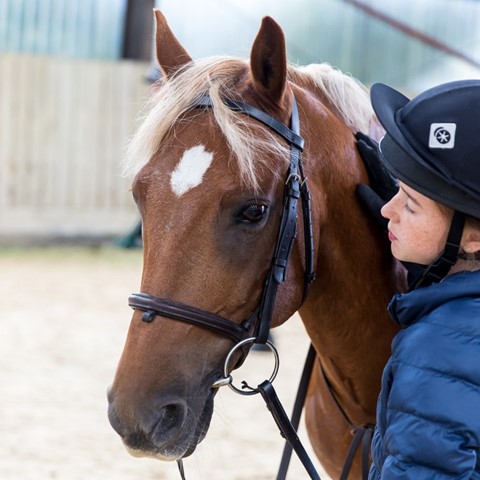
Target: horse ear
{"type": "Point", "coordinates": [268, 61]}
{"type": "Point", "coordinates": [170, 53]}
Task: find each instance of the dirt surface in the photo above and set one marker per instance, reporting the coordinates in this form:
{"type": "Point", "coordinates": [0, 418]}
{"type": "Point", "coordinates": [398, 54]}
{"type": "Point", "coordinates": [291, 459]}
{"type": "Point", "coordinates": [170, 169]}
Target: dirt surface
{"type": "Point", "coordinates": [64, 318]}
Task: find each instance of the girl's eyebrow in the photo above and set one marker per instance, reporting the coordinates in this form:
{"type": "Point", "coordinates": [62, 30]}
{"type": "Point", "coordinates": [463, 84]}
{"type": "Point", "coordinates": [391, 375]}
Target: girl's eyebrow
{"type": "Point", "coordinates": [410, 197]}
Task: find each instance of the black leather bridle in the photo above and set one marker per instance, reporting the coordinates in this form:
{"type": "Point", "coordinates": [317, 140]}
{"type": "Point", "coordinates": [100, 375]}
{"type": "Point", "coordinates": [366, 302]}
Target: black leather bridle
{"type": "Point", "coordinates": [255, 329]}
{"type": "Point", "coordinates": [259, 322]}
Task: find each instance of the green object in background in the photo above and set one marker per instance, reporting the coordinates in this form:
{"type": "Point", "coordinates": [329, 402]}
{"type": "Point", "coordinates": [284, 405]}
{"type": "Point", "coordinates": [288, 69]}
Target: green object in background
{"type": "Point", "coordinates": [132, 239]}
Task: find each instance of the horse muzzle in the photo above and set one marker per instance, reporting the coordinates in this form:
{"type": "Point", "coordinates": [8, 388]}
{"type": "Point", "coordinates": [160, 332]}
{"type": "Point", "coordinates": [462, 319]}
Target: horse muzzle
{"type": "Point", "coordinates": [170, 430]}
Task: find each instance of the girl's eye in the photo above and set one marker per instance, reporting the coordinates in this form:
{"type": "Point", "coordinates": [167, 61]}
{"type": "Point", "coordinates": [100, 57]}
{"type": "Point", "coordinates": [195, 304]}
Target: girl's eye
{"type": "Point", "coordinates": [408, 208]}
{"type": "Point", "coordinates": [253, 213]}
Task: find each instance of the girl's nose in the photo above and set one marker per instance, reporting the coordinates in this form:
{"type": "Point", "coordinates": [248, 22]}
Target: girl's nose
{"type": "Point", "coordinates": [384, 210]}
{"type": "Point", "coordinates": [388, 210]}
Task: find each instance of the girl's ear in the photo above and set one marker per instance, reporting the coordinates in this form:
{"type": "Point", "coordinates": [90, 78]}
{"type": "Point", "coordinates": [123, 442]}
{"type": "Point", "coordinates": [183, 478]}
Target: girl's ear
{"type": "Point", "coordinates": [471, 242]}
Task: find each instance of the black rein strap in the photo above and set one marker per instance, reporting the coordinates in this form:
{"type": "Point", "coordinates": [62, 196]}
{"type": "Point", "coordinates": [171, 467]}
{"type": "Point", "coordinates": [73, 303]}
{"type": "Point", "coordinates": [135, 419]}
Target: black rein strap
{"type": "Point", "coordinates": [297, 411]}
{"type": "Point", "coordinates": [286, 428]}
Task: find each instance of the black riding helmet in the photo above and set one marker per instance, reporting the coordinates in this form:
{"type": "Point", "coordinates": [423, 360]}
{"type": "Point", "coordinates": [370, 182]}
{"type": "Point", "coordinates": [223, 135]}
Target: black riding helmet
{"type": "Point", "coordinates": [432, 144]}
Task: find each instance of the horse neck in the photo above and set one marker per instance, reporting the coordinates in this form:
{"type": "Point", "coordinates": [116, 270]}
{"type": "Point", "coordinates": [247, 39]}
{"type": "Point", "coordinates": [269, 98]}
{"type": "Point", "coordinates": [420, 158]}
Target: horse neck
{"type": "Point", "coordinates": [345, 313]}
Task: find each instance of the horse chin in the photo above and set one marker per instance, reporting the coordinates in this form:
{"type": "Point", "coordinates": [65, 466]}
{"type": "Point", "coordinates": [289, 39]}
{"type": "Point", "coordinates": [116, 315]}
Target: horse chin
{"type": "Point", "coordinates": [151, 454]}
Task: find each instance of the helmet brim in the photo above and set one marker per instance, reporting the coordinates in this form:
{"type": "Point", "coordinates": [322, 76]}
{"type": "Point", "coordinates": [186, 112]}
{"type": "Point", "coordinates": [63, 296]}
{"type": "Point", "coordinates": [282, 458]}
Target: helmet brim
{"type": "Point", "coordinates": [387, 103]}
{"type": "Point", "coordinates": [406, 164]}
{"type": "Point", "coordinates": [414, 174]}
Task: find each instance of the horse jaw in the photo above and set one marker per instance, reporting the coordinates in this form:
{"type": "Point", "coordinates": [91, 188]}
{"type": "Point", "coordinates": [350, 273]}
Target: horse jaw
{"type": "Point", "coordinates": [171, 55]}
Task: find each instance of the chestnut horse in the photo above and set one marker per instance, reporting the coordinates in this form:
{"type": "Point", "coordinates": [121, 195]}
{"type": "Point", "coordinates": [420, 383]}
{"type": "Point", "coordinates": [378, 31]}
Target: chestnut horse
{"type": "Point", "coordinates": [209, 184]}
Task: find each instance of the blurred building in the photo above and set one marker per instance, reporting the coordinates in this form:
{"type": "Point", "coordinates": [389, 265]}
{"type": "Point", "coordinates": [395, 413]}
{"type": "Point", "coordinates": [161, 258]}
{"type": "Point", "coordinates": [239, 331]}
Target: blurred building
{"type": "Point", "coordinates": [405, 43]}
{"type": "Point", "coordinates": [72, 83]}
{"type": "Point", "coordinates": [71, 86]}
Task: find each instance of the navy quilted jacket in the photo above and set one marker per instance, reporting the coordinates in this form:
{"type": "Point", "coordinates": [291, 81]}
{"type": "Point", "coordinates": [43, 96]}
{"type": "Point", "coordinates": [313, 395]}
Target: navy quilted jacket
{"type": "Point", "coordinates": [428, 412]}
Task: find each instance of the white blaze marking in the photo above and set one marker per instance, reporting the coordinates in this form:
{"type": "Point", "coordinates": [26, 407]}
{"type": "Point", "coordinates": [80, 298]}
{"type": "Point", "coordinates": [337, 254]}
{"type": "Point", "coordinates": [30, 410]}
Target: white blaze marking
{"type": "Point", "coordinates": [190, 169]}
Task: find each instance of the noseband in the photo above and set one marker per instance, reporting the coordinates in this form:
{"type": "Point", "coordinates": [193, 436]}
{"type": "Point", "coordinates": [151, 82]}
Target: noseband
{"type": "Point", "coordinates": [259, 322]}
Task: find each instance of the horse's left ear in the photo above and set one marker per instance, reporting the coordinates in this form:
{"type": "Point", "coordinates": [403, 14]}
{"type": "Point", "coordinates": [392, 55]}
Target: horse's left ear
{"type": "Point", "coordinates": [170, 53]}
{"type": "Point", "coordinates": [268, 61]}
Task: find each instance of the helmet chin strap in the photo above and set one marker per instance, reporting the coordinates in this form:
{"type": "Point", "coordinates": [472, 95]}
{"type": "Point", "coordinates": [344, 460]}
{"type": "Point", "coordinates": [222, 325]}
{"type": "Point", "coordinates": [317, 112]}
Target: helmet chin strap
{"type": "Point", "coordinates": [439, 268]}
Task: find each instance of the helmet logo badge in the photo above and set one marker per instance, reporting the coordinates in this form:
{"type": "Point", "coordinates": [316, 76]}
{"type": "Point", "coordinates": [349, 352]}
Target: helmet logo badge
{"type": "Point", "coordinates": [442, 135]}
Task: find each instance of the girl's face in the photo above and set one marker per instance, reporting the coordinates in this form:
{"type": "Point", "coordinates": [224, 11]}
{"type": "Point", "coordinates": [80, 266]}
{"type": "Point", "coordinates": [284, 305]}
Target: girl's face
{"type": "Point", "coordinates": [418, 226]}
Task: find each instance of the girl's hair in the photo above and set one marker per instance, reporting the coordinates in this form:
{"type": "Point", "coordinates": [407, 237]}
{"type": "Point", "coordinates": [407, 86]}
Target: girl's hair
{"type": "Point", "coordinates": [473, 222]}
{"type": "Point", "coordinates": [469, 220]}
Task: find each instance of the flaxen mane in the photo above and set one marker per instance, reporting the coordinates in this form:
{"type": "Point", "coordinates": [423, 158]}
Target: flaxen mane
{"type": "Point", "coordinates": [216, 77]}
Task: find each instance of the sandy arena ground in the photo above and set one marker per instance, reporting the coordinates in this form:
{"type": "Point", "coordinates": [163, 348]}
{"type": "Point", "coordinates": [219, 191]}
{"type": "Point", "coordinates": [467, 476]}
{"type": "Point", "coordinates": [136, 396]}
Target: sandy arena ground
{"type": "Point", "coordinates": [64, 318]}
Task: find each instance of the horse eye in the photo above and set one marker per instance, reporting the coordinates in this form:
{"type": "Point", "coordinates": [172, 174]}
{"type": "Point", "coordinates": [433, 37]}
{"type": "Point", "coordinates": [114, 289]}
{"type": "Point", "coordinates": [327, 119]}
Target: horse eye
{"type": "Point", "coordinates": [253, 213]}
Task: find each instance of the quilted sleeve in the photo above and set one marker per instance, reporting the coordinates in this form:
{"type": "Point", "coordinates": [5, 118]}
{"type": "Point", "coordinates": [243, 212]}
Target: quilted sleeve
{"type": "Point", "coordinates": [419, 449]}
{"type": "Point", "coordinates": [433, 408]}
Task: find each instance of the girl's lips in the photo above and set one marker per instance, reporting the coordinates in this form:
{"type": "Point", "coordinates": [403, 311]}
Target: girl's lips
{"type": "Point", "coordinates": [391, 236]}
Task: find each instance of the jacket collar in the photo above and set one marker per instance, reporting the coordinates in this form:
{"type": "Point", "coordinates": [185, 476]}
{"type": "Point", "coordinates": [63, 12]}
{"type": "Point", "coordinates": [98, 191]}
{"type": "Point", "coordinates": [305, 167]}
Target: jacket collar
{"type": "Point", "coordinates": [405, 308]}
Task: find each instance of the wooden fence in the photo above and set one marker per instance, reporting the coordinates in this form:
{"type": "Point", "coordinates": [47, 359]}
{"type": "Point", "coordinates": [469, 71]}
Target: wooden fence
{"type": "Point", "coordinates": [64, 124]}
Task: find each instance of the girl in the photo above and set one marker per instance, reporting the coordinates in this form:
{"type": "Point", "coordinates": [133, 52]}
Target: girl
{"type": "Point", "coordinates": [428, 416]}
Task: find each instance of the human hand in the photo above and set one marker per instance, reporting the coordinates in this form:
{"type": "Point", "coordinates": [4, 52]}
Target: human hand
{"type": "Point", "coordinates": [383, 188]}
{"type": "Point", "coordinates": [382, 185]}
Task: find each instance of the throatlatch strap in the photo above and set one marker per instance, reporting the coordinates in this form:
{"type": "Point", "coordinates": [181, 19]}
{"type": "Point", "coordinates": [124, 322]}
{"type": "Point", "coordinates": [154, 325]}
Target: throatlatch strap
{"type": "Point", "coordinates": [307, 232]}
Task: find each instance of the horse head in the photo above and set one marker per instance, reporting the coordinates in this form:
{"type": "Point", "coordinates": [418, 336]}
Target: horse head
{"type": "Point", "coordinates": [210, 184]}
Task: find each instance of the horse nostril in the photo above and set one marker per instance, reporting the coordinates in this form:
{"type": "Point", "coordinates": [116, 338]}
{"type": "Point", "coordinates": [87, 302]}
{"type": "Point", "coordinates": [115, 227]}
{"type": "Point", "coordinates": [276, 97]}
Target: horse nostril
{"type": "Point", "coordinates": [171, 417]}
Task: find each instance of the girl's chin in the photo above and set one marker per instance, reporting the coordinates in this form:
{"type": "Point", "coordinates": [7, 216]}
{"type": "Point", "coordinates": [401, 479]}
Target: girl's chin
{"type": "Point", "coordinates": [398, 254]}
